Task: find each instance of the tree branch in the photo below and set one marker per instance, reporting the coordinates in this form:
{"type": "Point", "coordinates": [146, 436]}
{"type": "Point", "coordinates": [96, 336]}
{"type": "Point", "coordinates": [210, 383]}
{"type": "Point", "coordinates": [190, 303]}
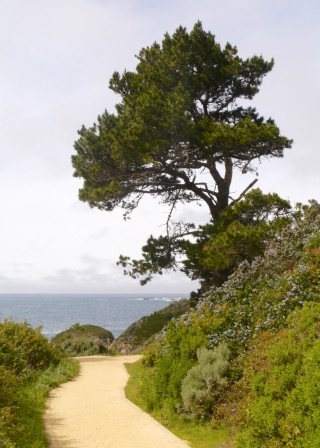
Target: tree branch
{"type": "Point", "coordinates": [244, 192]}
{"type": "Point", "coordinates": [170, 214]}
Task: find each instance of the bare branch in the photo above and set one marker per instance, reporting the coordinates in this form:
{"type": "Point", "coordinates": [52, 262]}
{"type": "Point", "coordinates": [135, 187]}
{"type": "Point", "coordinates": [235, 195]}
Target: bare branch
{"type": "Point", "coordinates": [244, 192]}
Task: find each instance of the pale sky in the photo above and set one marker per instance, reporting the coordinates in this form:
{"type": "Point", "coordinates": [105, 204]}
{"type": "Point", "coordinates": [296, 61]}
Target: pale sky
{"type": "Point", "coordinates": [57, 57]}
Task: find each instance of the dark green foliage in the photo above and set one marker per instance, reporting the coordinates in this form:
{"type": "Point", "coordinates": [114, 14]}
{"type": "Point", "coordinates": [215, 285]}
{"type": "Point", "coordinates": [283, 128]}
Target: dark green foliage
{"type": "Point", "coordinates": [158, 256]}
{"type": "Point", "coordinates": [241, 233]}
{"type": "Point", "coordinates": [203, 384]}
{"type": "Point", "coordinates": [179, 113]}
{"type": "Point", "coordinates": [180, 131]}
{"type": "Point", "coordinates": [84, 340]}
{"type": "Point", "coordinates": [284, 406]}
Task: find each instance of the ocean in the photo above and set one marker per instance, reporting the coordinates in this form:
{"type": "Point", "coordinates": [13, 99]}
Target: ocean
{"type": "Point", "coordinates": [57, 312]}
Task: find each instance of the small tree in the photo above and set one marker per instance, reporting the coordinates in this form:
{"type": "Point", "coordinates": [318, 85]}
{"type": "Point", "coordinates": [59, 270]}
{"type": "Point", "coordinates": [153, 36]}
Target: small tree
{"type": "Point", "coordinates": [181, 129]}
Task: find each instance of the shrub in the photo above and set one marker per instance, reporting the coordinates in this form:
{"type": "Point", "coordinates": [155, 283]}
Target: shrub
{"type": "Point", "coordinates": [83, 340]}
{"type": "Point", "coordinates": [24, 348]}
{"type": "Point", "coordinates": [9, 382]}
{"type": "Point", "coordinates": [83, 346]}
{"type": "Point", "coordinates": [203, 383]}
{"type": "Point", "coordinates": [176, 354]}
{"type": "Point", "coordinates": [77, 330]}
{"type": "Point", "coordinates": [149, 357]}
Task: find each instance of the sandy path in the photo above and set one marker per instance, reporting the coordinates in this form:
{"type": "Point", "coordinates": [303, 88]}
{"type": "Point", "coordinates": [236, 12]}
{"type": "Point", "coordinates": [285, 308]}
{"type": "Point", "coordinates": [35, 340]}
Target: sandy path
{"type": "Point", "coordinates": [92, 411]}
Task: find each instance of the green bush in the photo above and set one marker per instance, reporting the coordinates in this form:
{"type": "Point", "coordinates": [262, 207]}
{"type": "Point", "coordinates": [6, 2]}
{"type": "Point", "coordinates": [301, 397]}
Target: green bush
{"type": "Point", "coordinates": [149, 357]}
{"type": "Point", "coordinates": [9, 382]}
{"type": "Point", "coordinates": [83, 340]}
{"type": "Point", "coordinates": [23, 348]}
{"type": "Point", "coordinates": [176, 354]}
{"type": "Point", "coordinates": [77, 330]}
{"type": "Point", "coordinates": [83, 346]}
{"type": "Point", "coordinates": [284, 407]}
{"type": "Point", "coordinates": [203, 383]}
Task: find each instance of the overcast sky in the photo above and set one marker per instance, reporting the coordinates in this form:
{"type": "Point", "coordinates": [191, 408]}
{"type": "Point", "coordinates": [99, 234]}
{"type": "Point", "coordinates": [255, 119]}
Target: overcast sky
{"type": "Point", "coordinates": [56, 60]}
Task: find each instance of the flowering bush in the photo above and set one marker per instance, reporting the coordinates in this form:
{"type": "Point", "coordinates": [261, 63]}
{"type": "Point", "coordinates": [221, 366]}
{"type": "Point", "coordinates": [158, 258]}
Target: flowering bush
{"type": "Point", "coordinates": [257, 297]}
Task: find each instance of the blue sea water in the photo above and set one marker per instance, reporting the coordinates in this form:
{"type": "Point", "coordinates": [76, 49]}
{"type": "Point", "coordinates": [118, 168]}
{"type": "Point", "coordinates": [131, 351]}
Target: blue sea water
{"type": "Point", "coordinates": [57, 312]}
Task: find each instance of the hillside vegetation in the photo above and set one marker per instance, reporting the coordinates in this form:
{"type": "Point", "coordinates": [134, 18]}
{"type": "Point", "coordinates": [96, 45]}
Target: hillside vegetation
{"type": "Point", "coordinates": [145, 331]}
{"type": "Point", "coordinates": [247, 356]}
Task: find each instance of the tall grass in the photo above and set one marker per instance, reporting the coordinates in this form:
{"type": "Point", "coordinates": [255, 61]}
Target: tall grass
{"type": "Point", "coordinates": [26, 427]}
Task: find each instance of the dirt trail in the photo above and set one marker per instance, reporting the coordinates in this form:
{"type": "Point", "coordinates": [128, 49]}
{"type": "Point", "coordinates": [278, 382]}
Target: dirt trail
{"type": "Point", "coordinates": [92, 411]}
